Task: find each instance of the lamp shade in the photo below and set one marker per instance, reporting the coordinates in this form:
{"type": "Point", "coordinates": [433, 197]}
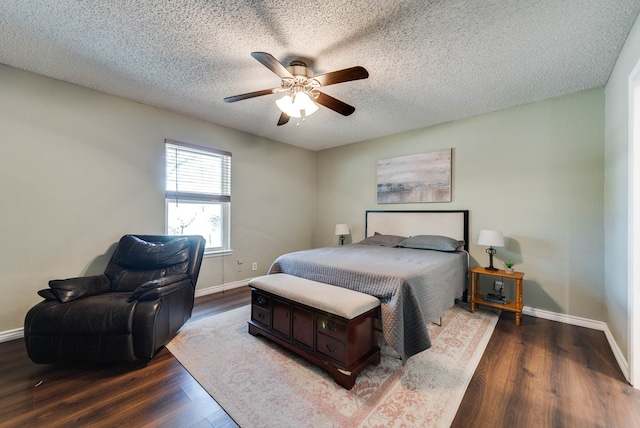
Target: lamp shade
{"type": "Point", "coordinates": [342, 229]}
{"type": "Point", "coordinates": [491, 238]}
{"type": "Point", "coordinates": [301, 101]}
{"type": "Point", "coordinates": [295, 105]}
{"type": "Point", "coordinates": [285, 104]}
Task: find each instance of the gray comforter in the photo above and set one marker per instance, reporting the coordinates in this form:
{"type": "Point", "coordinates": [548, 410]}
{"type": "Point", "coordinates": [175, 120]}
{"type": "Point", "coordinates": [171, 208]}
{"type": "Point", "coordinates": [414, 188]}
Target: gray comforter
{"type": "Point", "coordinates": [414, 286]}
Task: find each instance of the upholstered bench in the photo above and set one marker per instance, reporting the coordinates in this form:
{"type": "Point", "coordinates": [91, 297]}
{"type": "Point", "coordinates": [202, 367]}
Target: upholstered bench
{"type": "Point", "coordinates": [331, 326]}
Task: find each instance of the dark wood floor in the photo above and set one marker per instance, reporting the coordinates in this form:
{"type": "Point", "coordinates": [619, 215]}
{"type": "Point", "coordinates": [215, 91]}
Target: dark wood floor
{"type": "Point", "coordinates": [160, 393]}
{"type": "Point", "coordinates": [540, 374]}
{"type": "Point", "coordinates": [548, 374]}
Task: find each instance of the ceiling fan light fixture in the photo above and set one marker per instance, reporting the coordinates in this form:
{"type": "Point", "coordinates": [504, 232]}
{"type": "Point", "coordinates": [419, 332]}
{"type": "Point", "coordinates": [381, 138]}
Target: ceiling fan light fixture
{"type": "Point", "coordinates": [303, 95]}
{"type": "Point", "coordinates": [302, 101]}
{"type": "Point", "coordinates": [285, 104]}
{"type": "Point", "coordinates": [298, 105]}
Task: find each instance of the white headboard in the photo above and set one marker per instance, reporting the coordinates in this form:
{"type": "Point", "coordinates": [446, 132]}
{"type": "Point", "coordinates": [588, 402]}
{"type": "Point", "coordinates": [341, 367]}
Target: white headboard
{"type": "Point", "coordinates": [454, 224]}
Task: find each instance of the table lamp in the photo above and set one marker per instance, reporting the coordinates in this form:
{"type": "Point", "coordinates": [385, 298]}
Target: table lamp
{"type": "Point", "coordinates": [491, 238]}
{"type": "Point", "coordinates": [341, 230]}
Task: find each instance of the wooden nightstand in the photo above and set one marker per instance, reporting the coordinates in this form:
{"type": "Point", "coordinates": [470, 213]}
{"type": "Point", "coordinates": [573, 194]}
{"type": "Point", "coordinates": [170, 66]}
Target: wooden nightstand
{"type": "Point", "coordinates": [478, 299]}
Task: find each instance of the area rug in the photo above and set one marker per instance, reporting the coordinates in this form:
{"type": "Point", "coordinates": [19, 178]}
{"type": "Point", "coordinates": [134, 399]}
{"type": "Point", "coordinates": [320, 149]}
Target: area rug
{"type": "Point", "coordinates": [260, 384]}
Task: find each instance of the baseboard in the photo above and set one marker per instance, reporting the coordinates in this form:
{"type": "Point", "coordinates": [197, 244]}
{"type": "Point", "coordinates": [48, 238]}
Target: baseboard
{"type": "Point", "coordinates": [564, 318]}
{"type": "Point", "coordinates": [617, 353]}
{"type": "Point", "coordinates": [588, 323]}
{"type": "Point", "coordinates": [16, 333]}
{"type": "Point", "coordinates": [221, 287]}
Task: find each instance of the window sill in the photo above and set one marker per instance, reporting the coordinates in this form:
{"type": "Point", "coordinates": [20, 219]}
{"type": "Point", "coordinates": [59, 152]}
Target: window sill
{"type": "Point", "coordinates": [213, 253]}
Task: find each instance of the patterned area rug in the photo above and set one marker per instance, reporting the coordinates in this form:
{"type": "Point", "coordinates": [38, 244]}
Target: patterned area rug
{"type": "Point", "coordinates": [261, 384]}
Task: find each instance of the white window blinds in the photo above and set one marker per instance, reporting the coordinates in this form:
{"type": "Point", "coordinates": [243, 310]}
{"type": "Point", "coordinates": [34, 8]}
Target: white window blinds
{"type": "Point", "coordinates": [197, 173]}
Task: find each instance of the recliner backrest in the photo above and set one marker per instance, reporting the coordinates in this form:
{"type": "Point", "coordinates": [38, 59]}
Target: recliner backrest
{"type": "Point", "coordinates": [141, 258]}
{"type": "Point", "coordinates": [196, 251]}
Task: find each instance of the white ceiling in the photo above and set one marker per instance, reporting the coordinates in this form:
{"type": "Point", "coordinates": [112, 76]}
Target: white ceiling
{"type": "Point", "coordinates": [429, 61]}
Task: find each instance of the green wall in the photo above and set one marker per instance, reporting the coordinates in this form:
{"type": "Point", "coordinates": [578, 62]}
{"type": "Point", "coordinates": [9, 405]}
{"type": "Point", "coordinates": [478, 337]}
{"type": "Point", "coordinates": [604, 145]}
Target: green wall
{"type": "Point", "coordinates": [617, 192]}
{"type": "Point", "coordinates": [536, 172]}
{"type": "Point", "coordinates": [81, 168]}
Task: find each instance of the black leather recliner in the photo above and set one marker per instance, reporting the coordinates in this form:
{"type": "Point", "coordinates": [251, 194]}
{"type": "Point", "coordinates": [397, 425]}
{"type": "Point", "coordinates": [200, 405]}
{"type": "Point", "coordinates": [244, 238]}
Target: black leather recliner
{"type": "Point", "coordinates": [135, 307]}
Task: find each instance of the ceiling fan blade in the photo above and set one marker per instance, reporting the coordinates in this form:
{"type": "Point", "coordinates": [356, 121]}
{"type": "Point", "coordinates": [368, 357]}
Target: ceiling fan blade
{"type": "Point", "coordinates": [240, 97]}
{"type": "Point", "coordinates": [346, 75]}
{"type": "Point", "coordinates": [284, 118]}
{"type": "Point", "coordinates": [272, 64]}
{"type": "Point", "coordinates": [335, 104]}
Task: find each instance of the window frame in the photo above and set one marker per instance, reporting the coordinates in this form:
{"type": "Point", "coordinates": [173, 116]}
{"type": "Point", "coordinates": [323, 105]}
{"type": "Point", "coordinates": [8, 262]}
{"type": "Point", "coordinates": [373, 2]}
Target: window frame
{"type": "Point", "coordinates": [223, 199]}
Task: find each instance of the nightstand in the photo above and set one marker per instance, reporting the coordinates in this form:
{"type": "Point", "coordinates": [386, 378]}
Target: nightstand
{"type": "Point", "coordinates": [478, 299]}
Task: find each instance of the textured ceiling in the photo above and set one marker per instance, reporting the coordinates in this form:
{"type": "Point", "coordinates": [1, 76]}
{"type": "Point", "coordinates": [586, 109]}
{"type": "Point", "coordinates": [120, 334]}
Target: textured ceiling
{"type": "Point", "coordinates": [429, 61]}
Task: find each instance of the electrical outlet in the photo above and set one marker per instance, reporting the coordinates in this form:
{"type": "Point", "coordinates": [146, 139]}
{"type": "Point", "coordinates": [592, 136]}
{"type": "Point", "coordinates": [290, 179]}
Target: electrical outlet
{"type": "Point", "coordinates": [254, 266]}
{"type": "Point", "coordinates": [498, 286]}
{"type": "Point", "coordinates": [239, 266]}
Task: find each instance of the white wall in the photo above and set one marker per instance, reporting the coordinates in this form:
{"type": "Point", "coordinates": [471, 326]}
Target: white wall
{"type": "Point", "coordinates": [81, 168]}
{"type": "Point", "coordinates": [616, 191]}
{"type": "Point", "coordinates": [536, 172]}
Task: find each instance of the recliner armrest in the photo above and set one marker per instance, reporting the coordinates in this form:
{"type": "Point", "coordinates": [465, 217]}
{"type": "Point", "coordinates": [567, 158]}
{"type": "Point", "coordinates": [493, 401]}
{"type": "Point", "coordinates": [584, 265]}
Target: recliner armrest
{"type": "Point", "coordinates": [70, 289]}
{"type": "Point", "coordinates": [160, 292]}
{"type": "Point", "coordinates": [160, 287]}
{"type": "Point", "coordinates": [48, 294]}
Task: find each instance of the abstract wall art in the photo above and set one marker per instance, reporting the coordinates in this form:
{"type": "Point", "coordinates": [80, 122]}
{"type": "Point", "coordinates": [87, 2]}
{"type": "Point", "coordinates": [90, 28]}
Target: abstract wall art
{"type": "Point", "coordinates": [424, 177]}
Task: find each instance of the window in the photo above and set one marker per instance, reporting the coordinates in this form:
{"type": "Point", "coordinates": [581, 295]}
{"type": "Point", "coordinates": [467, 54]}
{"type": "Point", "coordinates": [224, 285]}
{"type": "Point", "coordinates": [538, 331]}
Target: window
{"type": "Point", "coordinates": [198, 193]}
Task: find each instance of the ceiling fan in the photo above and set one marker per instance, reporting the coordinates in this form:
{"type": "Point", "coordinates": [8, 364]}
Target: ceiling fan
{"type": "Point", "coordinates": [302, 88]}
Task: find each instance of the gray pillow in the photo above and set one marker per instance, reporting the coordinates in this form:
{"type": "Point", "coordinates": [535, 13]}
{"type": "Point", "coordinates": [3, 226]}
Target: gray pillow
{"type": "Point", "coordinates": [431, 242]}
{"type": "Point", "coordinates": [383, 240]}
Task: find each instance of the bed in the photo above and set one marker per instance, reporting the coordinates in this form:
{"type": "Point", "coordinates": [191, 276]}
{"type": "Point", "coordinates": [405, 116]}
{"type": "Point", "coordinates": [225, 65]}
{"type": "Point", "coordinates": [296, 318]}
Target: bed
{"type": "Point", "coordinates": [414, 283]}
